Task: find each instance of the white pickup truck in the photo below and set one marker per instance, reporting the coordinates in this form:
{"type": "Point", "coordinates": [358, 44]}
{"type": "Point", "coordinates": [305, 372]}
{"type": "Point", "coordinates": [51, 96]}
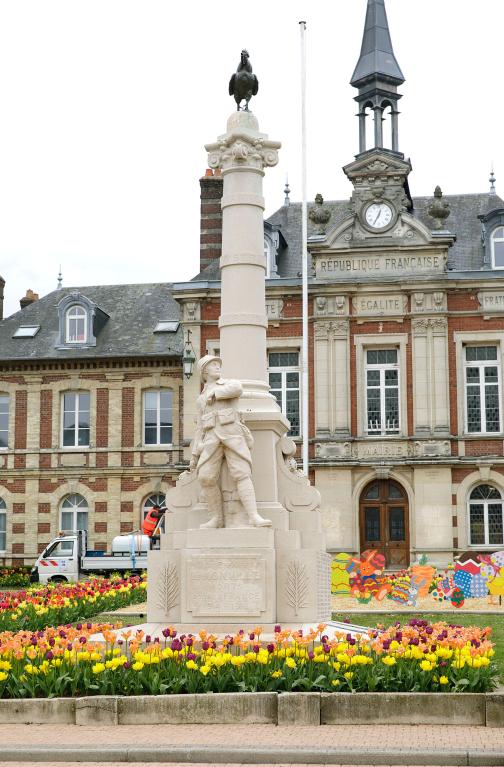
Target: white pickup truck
{"type": "Point", "coordinates": [66, 558]}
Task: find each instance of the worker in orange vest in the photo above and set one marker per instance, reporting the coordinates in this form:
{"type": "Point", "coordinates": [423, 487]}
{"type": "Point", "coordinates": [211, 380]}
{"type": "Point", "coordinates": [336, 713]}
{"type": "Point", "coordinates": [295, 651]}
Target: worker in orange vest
{"type": "Point", "coordinates": [151, 520]}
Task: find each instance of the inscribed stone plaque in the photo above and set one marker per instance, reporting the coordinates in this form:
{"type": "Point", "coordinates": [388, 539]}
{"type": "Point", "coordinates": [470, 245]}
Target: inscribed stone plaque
{"type": "Point", "coordinates": [226, 585]}
{"type": "Point", "coordinates": [402, 263]}
{"type": "Point", "coordinates": [380, 305]}
{"type": "Point", "coordinates": [381, 449]}
{"type": "Point", "coordinates": [492, 301]}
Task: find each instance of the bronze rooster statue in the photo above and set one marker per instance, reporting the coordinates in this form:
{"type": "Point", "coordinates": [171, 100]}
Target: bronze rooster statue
{"type": "Point", "coordinates": [243, 84]}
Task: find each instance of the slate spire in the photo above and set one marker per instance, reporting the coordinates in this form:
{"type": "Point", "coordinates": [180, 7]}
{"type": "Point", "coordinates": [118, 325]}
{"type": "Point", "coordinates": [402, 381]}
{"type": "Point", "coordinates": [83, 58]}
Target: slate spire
{"type": "Point", "coordinates": [377, 59]}
{"type": "Point", "coordinates": [376, 77]}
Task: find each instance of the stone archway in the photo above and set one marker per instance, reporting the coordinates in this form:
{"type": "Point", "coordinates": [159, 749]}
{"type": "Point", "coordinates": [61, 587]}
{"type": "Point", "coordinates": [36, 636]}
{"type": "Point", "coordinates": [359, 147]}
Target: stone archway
{"type": "Point", "coordinates": [384, 521]}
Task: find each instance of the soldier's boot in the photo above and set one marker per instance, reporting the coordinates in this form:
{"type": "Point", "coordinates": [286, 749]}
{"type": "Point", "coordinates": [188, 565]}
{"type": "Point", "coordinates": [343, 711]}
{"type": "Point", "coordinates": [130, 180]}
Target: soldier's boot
{"type": "Point", "coordinates": [214, 500]}
{"type": "Point", "coordinates": [247, 497]}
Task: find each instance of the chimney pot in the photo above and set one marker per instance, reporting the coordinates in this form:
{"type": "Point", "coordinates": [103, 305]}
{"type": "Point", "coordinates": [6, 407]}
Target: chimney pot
{"type": "Point", "coordinates": [30, 298]}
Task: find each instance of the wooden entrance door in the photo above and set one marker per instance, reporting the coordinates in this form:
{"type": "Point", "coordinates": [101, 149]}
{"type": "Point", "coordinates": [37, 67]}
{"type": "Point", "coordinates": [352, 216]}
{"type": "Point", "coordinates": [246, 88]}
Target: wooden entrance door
{"type": "Point", "coordinates": [384, 521]}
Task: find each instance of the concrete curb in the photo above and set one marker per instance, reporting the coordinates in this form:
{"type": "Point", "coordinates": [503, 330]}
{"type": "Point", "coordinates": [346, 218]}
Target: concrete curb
{"type": "Point", "coordinates": [257, 755]}
{"type": "Point", "coordinates": [283, 709]}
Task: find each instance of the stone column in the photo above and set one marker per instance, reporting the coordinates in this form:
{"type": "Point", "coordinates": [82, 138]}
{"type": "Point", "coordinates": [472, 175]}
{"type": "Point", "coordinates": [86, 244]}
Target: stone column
{"type": "Point", "coordinates": [242, 153]}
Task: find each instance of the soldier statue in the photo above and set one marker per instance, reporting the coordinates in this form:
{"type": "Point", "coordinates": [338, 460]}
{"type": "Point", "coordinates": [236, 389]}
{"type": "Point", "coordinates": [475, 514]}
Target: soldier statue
{"type": "Point", "coordinates": [222, 435]}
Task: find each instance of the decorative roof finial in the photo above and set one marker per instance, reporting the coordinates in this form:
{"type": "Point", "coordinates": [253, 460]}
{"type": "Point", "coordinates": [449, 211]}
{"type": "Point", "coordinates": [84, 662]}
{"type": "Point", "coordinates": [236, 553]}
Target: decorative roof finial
{"type": "Point", "coordinates": [60, 279]}
{"type": "Point", "coordinates": [287, 192]}
{"type": "Point", "coordinates": [319, 215]}
{"type": "Point", "coordinates": [438, 209]}
{"type": "Point", "coordinates": [492, 182]}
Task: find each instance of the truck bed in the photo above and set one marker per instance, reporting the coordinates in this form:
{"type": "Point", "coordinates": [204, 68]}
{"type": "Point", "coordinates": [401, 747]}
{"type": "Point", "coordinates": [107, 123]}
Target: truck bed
{"type": "Point", "coordinates": [90, 563]}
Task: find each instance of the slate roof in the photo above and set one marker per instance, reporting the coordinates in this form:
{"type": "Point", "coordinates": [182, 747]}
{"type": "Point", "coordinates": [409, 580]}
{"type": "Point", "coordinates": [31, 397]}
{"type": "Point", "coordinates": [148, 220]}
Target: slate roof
{"type": "Point", "coordinates": [133, 312]}
{"type": "Point", "coordinates": [465, 255]}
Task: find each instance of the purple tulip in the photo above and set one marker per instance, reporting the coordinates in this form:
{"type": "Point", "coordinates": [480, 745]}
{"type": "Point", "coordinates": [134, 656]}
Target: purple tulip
{"type": "Point", "coordinates": [278, 629]}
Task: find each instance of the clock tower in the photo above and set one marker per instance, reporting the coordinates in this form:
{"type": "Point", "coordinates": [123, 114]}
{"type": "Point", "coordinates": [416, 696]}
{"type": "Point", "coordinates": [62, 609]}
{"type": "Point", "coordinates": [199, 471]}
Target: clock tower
{"type": "Point", "coordinates": [379, 173]}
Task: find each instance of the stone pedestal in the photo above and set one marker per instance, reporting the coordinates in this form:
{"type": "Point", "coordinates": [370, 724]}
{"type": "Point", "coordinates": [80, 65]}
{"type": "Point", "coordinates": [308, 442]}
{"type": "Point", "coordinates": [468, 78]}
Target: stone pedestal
{"type": "Point", "coordinates": [239, 576]}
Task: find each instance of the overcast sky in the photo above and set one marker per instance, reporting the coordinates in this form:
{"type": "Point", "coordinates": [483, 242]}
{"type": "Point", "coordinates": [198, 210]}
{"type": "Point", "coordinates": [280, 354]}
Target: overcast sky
{"type": "Point", "coordinates": [105, 107]}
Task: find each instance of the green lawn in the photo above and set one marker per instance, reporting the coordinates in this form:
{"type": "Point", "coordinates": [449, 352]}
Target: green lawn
{"type": "Point", "coordinates": [495, 621]}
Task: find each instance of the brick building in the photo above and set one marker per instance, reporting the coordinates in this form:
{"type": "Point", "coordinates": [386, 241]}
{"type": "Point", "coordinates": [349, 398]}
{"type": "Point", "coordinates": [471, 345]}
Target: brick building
{"type": "Point", "coordinates": [90, 392]}
{"type": "Point", "coordinates": [406, 339]}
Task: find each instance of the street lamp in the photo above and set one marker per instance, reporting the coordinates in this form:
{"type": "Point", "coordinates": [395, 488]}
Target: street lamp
{"type": "Point", "coordinates": [189, 357]}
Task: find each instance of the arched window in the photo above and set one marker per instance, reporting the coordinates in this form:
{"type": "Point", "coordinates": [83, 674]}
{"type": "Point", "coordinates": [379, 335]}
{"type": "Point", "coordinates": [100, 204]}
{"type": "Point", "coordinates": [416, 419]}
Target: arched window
{"type": "Point", "coordinates": [74, 513]}
{"type": "Point", "coordinates": [156, 499]}
{"type": "Point", "coordinates": [485, 517]}
{"type": "Point", "coordinates": [76, 321]}
{"type": "Point", "coordinates": [497, 242]}
{"type": "Point", "coordinates": [3, 525]}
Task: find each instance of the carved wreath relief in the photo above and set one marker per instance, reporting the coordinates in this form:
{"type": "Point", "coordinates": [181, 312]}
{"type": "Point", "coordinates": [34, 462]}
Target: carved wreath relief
{"type": "Point", "coordinates": [167, 588]}
{"type": "Point", "coordinates": [296, 587]}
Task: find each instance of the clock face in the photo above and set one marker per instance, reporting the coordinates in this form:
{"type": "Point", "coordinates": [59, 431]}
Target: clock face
{"type": "Point", "coordinates": [378, 215]}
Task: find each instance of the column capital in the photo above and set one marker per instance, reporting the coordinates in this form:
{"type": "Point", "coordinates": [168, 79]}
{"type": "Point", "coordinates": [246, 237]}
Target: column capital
{"type": "Point", "coordinates": [243, 146]}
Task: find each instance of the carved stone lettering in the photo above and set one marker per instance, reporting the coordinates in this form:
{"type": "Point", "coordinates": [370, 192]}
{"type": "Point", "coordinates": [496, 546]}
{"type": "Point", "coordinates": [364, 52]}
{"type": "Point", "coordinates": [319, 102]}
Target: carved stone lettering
{"type": "Point", "coordinates": [274, 308]}
{"type": "Point", "coordinates": [380, 305]}
{"type": "Point", "coordinates": [492, 301]}
{"type": "Point", "coordinates": [226, 585]}
{"type": "Point", "coordinates": [381, 449]}
{"type": "Point", "coordinates": [339, 266]}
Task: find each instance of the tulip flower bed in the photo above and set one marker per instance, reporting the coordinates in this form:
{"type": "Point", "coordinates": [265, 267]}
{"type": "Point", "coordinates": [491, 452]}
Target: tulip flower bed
{"type": "Point", "coordinates": [415, 658]}
{"type": "Point", "coordinates": [14, 577]}
{"type": "Point", "coordinates": [65, 603]}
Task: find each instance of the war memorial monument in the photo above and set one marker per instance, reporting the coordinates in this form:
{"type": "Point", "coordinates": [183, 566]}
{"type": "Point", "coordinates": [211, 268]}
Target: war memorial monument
{"type": "Point", "coordinates": [243, 544]}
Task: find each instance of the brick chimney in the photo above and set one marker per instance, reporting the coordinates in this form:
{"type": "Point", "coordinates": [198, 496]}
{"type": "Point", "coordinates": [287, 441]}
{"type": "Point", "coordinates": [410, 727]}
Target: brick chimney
{"type": "Point", "coordinates": [211, 217]}
{"type": "Point", "coordinates": [30, 298]}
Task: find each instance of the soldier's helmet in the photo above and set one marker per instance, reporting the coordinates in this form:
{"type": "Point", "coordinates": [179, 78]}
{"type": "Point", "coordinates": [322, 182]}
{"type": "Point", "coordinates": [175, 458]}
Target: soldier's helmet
{"type": "Point", "coordinates": [204, 361]}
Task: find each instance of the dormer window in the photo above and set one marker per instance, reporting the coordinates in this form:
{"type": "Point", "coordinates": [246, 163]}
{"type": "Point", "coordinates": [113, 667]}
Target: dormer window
{"type": "Point", "coordinates": [76, 322]}
{"type": "Point", "coordinates": [497, 246]}
{"type": "Point", "coordinates": [80, 321]}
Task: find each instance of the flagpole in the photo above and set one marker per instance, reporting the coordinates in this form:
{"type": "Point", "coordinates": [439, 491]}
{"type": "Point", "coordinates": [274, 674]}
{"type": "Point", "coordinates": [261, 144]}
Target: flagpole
{"type": "Point", "coordinates": [304, 255]}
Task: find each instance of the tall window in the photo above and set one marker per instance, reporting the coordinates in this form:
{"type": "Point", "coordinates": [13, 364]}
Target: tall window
{"type": "Point", "coordinates": [75, 407]}
{"type": "Point", "coordinates": [267, 256]}
{"type": "Point", "coordinates": [482, 380]}
{"type": "Point", "coordinates": [485, 517]}
{"type": "Point", "coordinates": [158, 417]}
{"type": "Point", "coordinates": [76, 319]}
{"type": "Point", "coordinates": [497, 241]}
{"type": "Point", "coordinates": [4, 420]}
{"type": "Point", "coordinates": [284, 384]}
{"type": "Point", "coordinates": [74, 513]}
{"type": "Point", "coordinates": [3, 525]}
{"type": "Point", "coordinates": [382, 392]}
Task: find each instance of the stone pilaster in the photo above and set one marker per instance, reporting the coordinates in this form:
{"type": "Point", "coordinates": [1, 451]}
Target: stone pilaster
{"type": "Point", "coordinates": [430, 376]}
{"type": "Point", "coordinates": [332, 413]}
